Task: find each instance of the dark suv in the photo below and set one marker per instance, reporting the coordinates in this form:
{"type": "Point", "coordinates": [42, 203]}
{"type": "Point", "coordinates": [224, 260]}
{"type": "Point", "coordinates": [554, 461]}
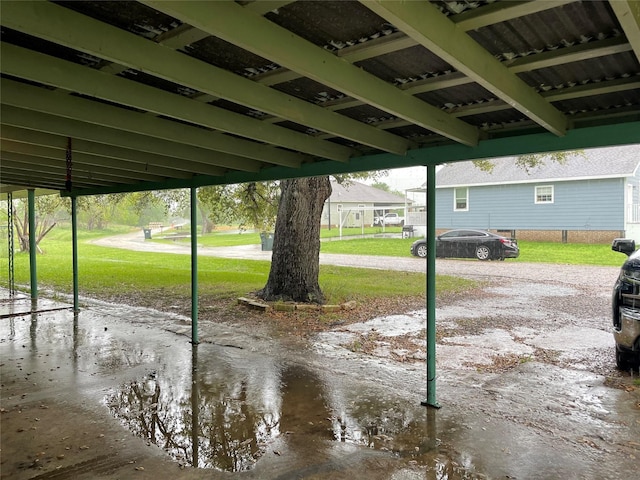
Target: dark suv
{"type": "Point", "coordinates": [626, 306]}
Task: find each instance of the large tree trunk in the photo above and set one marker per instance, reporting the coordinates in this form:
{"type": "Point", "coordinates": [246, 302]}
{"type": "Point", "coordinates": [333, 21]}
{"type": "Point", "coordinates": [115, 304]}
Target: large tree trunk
{"type": "Point", "coordinates": [295, 260]}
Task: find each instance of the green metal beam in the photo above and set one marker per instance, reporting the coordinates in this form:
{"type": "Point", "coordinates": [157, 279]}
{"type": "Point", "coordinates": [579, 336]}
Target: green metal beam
{"type": "Point", "coordinates": [591, 89]}
{"type": "Point", "coordinates": [502, 11]}
{"type": "Point", "coordinates": [231, 22]}
{"type": "Point", "coordinates": [48, 177]}
{"type": "Point", "coordinates": [180, 36]}
{"type": "Point", "coordinates": [587, 90]}
{"type": "Point", "coordinates": [150, 161]}
{"type": "Point", "coordinates": [362, 51]}
{"type": "Point", "coordinates": [47, 70]}
{"type": "Point", "coordinates": [23, 181]}
{"type": "Point", "coordinates": [33, 269]}
{"type": "Point", "coordinates": [574, 53]}
{"type": "Point", "coordinates": [609, 46]}
{"type": "Point", "coordinates": [20, 191]}
{"type": "Point", "coordinates": [265, 6]}
{"type": "Point", "coordinates": [21, 185]}
{"type": "Point", "coordinates": [469, 20]}
{"type": "Point", "coordinates": [424, 22]}
{"type": "Point", "coordinates": [66, 106]}
{"type": "Point", "coordinates": [61, 25]}
{"type": "Point", "coordinates": [57, 168]}
{"type": "Point", "coordinates": [198, 160]}
{"type": "Point", "coordinates": [568, 93]}
{"type": "Point", "coordinates": [92, 164]}
{"type": "Point", "coordinates": [628, 13]}
{"type": "Point", "coordinates": [538, 142]}
{"type": "Point", "coordinates": [600, 88]}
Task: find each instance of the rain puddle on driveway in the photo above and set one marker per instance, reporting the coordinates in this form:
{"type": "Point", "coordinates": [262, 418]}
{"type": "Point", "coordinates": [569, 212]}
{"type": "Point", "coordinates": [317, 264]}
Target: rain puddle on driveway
{"type": "Point", "coordinates": [246, 405]}
{"type": "Point", "coordinates": [225, 409]}
{"type": "Point", "coordinates": [70, 383]}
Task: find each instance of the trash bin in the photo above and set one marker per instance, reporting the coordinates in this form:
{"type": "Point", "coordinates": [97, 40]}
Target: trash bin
{"type": "Point", "coordinates": [267, 241]}
{"type": "Point", "coordinates": [407, 231]}
{"type": "Point", "coordinates": [147, 233]}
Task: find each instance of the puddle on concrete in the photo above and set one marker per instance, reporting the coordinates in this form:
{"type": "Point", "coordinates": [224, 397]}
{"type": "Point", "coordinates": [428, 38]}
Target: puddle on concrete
{"type": "Point", "coordinates": [302, 415]}
{"type": "Point", "coordinates": [221, 412]}
{"type": "Point", "coordinates": [212, 416]}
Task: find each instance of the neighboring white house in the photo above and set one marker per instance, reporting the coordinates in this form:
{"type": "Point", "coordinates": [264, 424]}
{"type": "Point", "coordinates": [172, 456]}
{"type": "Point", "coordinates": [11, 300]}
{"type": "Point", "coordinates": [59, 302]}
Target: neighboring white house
{"type": "Point", "coordinates": [592, 197]}
{"type": "Point", "coordinates": [357, 204]}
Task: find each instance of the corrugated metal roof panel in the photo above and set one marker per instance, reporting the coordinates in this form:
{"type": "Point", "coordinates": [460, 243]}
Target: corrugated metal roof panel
{"type": "Point", "coordinates": [320, 86]}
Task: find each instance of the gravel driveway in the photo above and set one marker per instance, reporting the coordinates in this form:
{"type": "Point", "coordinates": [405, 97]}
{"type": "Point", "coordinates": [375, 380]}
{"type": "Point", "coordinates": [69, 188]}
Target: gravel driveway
{"type": "Point", "coordinates": [535, 305]}
{"type": "Point", "coordinates": [525, 375]}
{"type": "Point", "coordinates": [592, 275]}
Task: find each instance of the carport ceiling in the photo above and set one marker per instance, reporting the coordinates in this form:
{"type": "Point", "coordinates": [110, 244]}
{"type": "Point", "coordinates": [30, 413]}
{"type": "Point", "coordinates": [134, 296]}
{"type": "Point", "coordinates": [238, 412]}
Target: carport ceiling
{"type": "Point", "coordinates": [162, 94]}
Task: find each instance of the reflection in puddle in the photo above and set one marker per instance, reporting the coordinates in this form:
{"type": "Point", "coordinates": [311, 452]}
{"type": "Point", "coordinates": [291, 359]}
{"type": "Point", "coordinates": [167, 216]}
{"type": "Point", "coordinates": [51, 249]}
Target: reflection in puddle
{"type": "Point", "coordinates": [225, 413]}
{"type": "Point", "coordinates": [206, 419]}
{"type": "Point", "coordinates": [226, 409]}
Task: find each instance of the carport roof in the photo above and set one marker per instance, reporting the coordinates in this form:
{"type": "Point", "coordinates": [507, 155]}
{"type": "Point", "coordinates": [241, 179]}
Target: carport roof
{"type": "Point", "coordinates": [123, 96]}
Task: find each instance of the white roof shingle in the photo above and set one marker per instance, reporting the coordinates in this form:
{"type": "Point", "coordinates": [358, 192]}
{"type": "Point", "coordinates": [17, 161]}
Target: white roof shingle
{"type": "Point", "coordinates": [590, 164]}
{"type": "Point", "coordinates": [357, 192]}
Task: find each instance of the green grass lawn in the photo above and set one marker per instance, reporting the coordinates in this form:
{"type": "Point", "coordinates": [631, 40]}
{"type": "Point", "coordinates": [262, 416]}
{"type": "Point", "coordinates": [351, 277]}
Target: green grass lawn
{"type": "Point", "coordinates": [569, 253]}
{"type": "Point", "coordinates": [354, 244]}
{"type": "Point", "coordinates": [535, 252]}
{"type": "Point", "coordinates": [351, 232]}
{"type": "Point", "coordinates": [226, 239]}
{"type": "Point", "coordinates": [394, 247]}
{"type": "Point", "coordinates": [109, 271]}
{"type": "Point", "coordinates": [220, 239]}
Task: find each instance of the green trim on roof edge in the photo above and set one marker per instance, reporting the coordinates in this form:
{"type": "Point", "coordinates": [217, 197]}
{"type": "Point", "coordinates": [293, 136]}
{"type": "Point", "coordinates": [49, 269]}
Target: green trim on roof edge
{"type": "Point", "coordinates": [583, 138]}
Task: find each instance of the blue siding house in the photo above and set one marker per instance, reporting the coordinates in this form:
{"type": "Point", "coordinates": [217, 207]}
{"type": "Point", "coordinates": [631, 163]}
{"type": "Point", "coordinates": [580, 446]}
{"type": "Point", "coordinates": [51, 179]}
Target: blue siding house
{"type": "Point", "coordinates": [593, 196]}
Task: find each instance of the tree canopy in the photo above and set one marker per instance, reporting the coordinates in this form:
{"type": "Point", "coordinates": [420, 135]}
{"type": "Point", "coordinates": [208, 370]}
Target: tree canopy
{"type": "Point", "coordinates": [530, 161]}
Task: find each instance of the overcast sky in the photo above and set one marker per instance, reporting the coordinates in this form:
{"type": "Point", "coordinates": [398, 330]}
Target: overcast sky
{"type": "Point", "coordinates": [403, 178]}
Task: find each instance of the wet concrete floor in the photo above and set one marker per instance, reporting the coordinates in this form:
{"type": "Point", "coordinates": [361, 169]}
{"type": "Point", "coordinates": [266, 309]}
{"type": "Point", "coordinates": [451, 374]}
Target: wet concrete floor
{"type": "Point", "coordinates": [119, 392]}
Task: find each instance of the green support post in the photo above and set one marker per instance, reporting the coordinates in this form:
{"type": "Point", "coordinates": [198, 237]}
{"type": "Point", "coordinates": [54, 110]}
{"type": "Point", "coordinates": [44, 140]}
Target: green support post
{"type": "Point", "coordinates": [195, 407]}
{"type": "Point", "coordinates": [74, 251]}
{"type": "Point", "coordinates": [431, 288]}
{"type": "Point", "coordinates": [31, 202]}
{"type": "Point", "coordinates": [194, 267]}
{"type": "Point", "coordinates": [10, 245]}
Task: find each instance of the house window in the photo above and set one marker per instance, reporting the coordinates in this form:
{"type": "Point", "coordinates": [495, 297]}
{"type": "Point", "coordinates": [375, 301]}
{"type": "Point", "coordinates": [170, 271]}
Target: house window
{"type": "Point", "coordinates": [544, 194]}
{"type": "Point", "coordinates": [461, 199]}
